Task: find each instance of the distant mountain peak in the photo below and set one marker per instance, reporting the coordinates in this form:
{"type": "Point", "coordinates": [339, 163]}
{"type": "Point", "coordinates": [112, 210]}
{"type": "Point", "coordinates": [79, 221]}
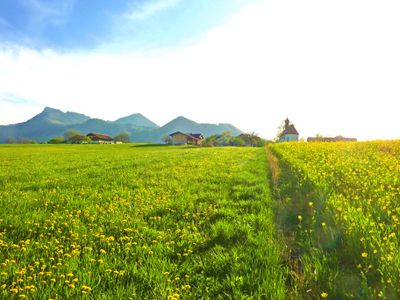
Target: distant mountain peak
{"type": "Point", "coordinates": [56, 116]}
{"type": "Point", "coordinates": [48, 109]}
{"type": "Point", "coordinates": [137, 119]}
{"type": "Point", "coordinates": [182, 118]}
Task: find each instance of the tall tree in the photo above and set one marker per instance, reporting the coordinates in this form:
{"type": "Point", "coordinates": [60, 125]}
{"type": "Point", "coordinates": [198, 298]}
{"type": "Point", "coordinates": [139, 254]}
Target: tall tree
{"type": "Point", "coordinates": [122, 137]}
{"type": "Point", "coordinates": [70, 133]}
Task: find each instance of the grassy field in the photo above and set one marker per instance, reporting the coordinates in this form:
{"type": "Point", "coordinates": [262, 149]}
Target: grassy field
{"type": "Point", "coordinates": [340, 215]}
{"type": "Point", "coordinates": [145, 222]}
{"type": "Point", "coordinates": [125, 222]}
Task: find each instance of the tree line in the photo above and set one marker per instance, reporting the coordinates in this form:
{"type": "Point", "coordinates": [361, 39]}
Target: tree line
{"type": "Point", "coordinates": [71, 136]}
{"type": "Point", "coordinates": [226, 139]}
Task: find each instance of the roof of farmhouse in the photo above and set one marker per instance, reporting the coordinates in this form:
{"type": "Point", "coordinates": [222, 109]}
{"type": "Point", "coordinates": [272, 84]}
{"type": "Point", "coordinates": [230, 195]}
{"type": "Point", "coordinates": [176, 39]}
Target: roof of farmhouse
{"type": "Point", "coordinates": [289, 128]}
{"type": "Point", "coordinates": [190, 135]}
{"type": "Point", "coordinates": [100, 136]}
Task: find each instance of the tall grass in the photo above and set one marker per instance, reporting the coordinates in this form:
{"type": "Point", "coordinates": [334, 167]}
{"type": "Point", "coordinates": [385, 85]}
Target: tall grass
{"type": "Point", "coordinates": [339, 212]}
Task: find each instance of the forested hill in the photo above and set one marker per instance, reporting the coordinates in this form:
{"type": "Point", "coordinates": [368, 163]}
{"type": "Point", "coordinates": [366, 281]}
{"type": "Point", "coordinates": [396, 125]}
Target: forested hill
{"type": "Point", "coordinates": [52, 122]}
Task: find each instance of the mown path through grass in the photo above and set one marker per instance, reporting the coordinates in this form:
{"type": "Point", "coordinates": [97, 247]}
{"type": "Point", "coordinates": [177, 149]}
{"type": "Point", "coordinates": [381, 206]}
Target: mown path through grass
{"type": "Point", "coordinates": [123, 222]}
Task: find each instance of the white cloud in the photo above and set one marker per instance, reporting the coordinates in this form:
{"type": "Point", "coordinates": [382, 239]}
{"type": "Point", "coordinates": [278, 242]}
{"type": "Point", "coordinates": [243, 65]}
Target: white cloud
{"type": "Point", "coordinates": [330, 67]}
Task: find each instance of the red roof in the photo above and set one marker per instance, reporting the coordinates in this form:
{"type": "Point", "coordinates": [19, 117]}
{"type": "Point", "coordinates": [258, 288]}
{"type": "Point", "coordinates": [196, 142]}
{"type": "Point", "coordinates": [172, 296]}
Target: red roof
{"type": "Point", "coordinates": [99, 137]}
{"type": "Point", "coordinates": [177, 132]}
{"type": "Point", "coordinates": [289, 130]}
{"type": "Point", "coordinates": [196, 136]}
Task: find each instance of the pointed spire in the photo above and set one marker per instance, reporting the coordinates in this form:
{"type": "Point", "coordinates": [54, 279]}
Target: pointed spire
{"type": "Point", "coordinates": [287, 122]}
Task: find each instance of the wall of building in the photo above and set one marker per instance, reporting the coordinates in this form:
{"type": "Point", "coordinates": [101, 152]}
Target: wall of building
{"type": "Point", "coordinates": [289, 138]}
{"type": "Point", "coordinates": [179, 139]}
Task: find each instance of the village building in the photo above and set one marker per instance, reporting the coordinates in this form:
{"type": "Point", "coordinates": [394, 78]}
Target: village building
{"type": "Point", "coordinates": [289, 133]}
{"type": "Point", "coordinates": [97, 138]}
{"type": "Point", "coordinates": [180, 138]}
{"type": "Point", "coordinates": [338, 138]}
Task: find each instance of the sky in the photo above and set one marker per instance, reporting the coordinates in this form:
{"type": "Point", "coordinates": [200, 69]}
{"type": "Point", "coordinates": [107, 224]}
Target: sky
{"type": "Point", "coordinates": [331, 67]}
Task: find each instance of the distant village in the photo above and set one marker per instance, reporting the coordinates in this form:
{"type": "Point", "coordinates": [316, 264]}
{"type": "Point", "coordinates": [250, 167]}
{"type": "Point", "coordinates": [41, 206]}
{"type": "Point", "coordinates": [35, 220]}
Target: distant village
{"type": "Point", "coordinates": [288, 133]}
{"type": "Point", "coordinates": [53, 126]}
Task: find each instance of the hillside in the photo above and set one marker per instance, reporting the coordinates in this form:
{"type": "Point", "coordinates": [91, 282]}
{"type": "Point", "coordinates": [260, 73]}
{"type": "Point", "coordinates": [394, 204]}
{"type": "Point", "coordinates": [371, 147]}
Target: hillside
{"type": "Point", "coordinates": [53, 122]}
{"type": "Point", "coordinates": [55, 116]}
{"type": "Point", "coordinates": [49, 123]}
{"type": "Point", "coordinates": [191, 126]}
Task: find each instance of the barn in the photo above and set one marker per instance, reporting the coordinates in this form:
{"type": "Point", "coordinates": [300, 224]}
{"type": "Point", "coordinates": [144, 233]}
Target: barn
{"type": "Point", "coordinates": [180, 138]}
{"type": "Point", "coordinates": [289, 133]}
{"type": "Point", "coordinates": [97, 138]}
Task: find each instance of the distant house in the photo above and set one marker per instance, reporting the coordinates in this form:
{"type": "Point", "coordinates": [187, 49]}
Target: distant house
{"type": "Point", "coordinates": [180, 138]}
{"type": "Point", "coordinates": [289, 133]}
{"type": "Point", "coordinates": [97, 138]}
{"type": "Point", "coordinates": [338, 138]}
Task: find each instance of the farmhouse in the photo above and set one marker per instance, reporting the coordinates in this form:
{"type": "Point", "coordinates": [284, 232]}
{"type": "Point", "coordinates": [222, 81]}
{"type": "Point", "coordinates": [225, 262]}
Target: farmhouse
{"type": "Point", "coordinates": [180, 138]}
{"type": "Point", "coordinates": [289, 133]}
{"type": "Point", "coordinates": [338, 138]}
{"type": "Point", "coordinates": [97, 138]}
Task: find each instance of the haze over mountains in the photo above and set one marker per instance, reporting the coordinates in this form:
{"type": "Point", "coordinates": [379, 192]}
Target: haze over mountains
{"type": "Point", "coordinates": [52, 122]}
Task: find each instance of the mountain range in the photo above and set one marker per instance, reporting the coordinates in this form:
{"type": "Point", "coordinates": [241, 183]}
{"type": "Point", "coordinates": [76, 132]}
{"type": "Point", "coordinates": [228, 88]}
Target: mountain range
{"type": "Point", "coordinates": [52, 122]}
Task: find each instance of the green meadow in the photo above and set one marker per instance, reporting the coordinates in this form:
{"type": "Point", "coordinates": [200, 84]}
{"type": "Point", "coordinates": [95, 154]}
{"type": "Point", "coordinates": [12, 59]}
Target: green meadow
{"type": "Point", "coordinates": [137, 222]}
{"type": "Point", "coordinates": [289, 221]}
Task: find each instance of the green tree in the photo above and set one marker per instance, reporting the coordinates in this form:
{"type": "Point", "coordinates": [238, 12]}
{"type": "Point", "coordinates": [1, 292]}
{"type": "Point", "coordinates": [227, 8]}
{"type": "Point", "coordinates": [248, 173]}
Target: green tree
{"type": "Point", "coordinates": [166, 139]}
{"type": "Point", "coordinates": [122, 137]}
{"type": "Point", "coordinates": [72, 135]}
{"type": "Point", "coordinates": [79, 139]}
{"type": "Point", "coordinates": [280, 129]}
{"type": "Point", "coordinates": [210, 141]}
{"type": "Point", "coordinates": [26, 141]}
{"type": "Point", "coordinates": [57, 140]}
{"type": "Point", "coordinates": [224, 139]}
{"type": "Point", "coordinates": [11, 140]}
{"type": "Point", "coordinates": [319, 136]}
{"type": "Point", "coordinates": [254, 139]}
{"type": "Point", "coordinates": [237, 141]}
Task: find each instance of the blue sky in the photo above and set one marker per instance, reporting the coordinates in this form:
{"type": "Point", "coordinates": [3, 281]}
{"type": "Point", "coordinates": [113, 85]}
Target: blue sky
{"type": "Point", "coordinates": [132, 25]}
{"type": "Point", "coordinates": [332, 67]}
